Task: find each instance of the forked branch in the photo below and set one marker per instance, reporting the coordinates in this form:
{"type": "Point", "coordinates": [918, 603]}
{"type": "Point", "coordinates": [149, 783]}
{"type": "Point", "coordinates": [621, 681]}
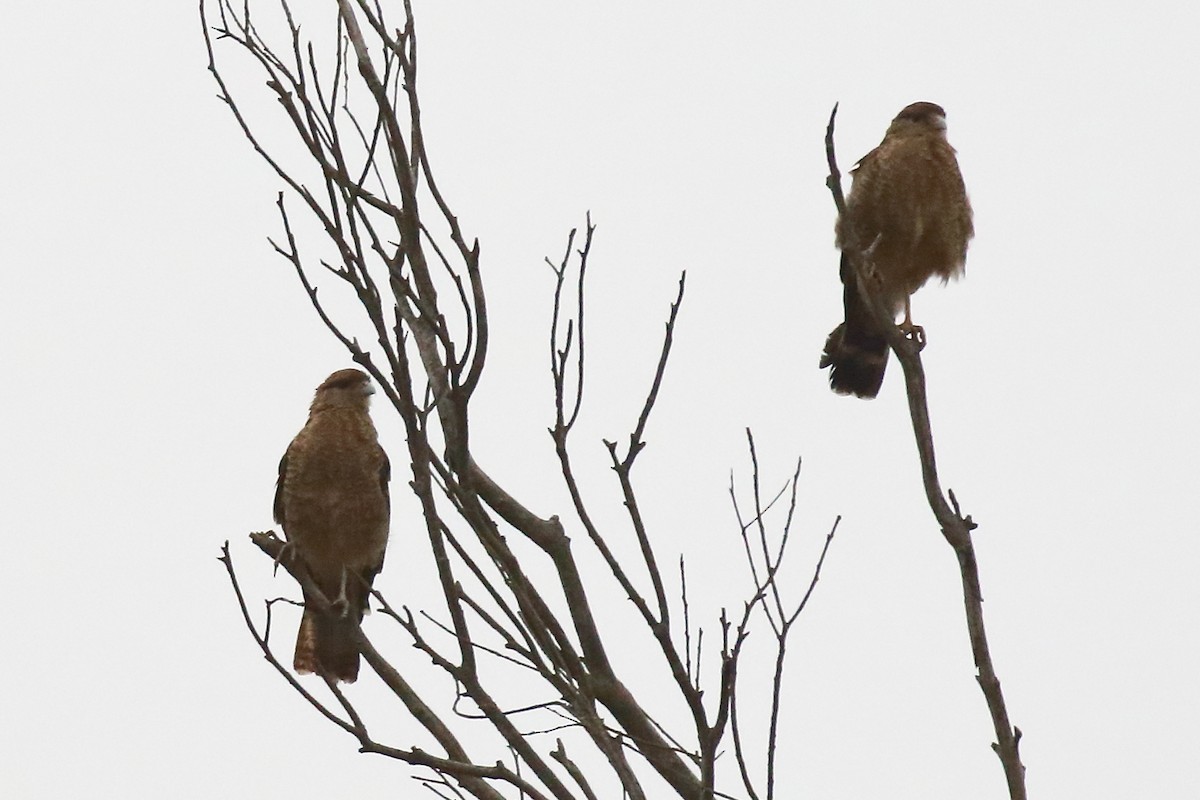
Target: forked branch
{"type": "Point", "coordinates": [514, 596]}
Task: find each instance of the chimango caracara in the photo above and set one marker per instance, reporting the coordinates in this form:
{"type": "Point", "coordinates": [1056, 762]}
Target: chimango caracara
{"type": "Point", "coordinates": [908, 214]}
{"type": "Point", "coordinates": [332, 501]}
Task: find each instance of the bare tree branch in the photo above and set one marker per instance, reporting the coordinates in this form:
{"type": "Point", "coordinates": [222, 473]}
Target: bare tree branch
{"type": "Point", "coordinates": [390, 244]}
{"type": "Point", "coordinates": [955, 527]}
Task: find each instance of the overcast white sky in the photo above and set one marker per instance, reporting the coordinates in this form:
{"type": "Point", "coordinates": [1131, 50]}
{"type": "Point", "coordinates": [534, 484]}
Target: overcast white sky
{"type": "Point", "coordinates": [158, 358]}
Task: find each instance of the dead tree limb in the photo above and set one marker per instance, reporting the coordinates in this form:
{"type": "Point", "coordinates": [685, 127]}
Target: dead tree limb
{"type": "Point", "coordinates": [955, 527]}
{"type": "Point", "coordinates": [516, 627]}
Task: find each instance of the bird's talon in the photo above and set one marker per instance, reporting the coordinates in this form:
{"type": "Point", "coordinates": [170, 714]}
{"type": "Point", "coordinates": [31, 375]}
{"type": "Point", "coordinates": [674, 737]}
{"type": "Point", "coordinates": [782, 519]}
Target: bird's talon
{"type": "Point", "coordinates": [914, 333]}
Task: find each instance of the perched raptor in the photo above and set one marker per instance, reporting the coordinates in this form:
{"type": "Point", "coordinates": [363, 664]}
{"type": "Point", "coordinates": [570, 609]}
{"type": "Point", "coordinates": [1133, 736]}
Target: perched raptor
{"type": "Point", "coordinates": [332, 501]}
{"type": "Point", "coordinates": [908, 215]}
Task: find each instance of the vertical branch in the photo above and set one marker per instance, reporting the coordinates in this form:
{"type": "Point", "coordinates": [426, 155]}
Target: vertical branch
{"type": "Point", "coordinates": [955, 527]}
{"type": "Point", "coordinates": [610, 691]}
{"type": "Point", "coordinates": [624, 466]}
{"type": "Point", "coordinates": [768, 597]}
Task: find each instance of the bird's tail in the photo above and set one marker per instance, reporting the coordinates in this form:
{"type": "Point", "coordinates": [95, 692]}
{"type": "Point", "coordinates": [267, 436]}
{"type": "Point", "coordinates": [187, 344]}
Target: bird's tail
{"type": "Point", "coordinates": [855, 351]}
{"type": "Point", "coordinates": [325, 644]}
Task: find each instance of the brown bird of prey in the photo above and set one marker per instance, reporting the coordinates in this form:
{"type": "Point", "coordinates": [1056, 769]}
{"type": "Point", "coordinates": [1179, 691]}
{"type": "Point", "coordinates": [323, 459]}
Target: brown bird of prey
{"type": "Point", "coordinates": [908, 217]}
{"type": "Point", "coordinates": [332, 501]}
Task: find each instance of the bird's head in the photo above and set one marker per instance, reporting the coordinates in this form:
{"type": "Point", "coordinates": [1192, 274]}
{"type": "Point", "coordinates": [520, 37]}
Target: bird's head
{"type": "Point", "coordinates": [346, 388]}
{"type": "Point", "coordinates": [917, 117]}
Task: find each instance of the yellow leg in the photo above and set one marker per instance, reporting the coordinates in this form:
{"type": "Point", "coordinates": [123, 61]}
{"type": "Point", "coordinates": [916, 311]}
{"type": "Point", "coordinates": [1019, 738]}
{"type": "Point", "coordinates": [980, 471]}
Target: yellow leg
{"type": "Point", "coordinates": [341, 603]}
{"type": "Point", "coordinates": [284, 552]}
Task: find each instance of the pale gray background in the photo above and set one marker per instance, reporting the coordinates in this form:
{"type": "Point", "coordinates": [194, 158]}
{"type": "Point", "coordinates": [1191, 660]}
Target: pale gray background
{"type": "Point", "coordinates": [157, 358]}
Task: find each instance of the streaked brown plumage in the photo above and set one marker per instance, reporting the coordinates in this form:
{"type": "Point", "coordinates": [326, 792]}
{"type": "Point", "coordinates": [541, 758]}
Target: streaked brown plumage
{"type": "Point", "coordinates": [908, 207]}
{"type": "Point", "coordinates": [332, 501]}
